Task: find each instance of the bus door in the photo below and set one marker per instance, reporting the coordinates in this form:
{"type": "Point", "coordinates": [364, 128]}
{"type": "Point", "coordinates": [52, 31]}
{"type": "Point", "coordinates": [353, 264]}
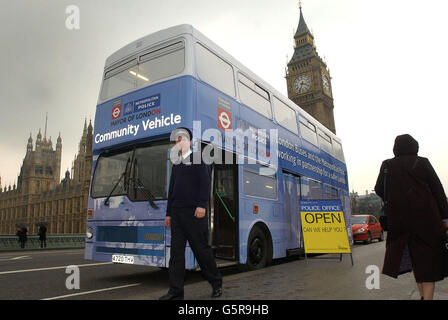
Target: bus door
{"type": "Point", "coordinates": [224, 210]}
{"type": "Point", "coordinates": [291, 187]}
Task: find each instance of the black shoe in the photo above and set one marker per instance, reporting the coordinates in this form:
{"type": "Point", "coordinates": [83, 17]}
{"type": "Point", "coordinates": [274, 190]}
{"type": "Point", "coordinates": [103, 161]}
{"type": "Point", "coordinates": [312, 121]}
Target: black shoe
{"type": "Point", "coordinates": [217, 292]}
{"type": "Point", "coordinates": [170, 296]}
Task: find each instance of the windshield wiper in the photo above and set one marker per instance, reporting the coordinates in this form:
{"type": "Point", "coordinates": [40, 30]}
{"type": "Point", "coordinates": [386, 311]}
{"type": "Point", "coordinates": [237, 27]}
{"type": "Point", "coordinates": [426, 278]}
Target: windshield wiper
{"type": "Point", "coordinates": [106, 202]}
{"type": "Point", "coordinates": [143, 188]}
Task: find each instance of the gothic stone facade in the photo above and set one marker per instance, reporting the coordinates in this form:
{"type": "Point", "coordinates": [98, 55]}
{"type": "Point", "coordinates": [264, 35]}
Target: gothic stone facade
{"type": "Point", "coordinates": [40, 196]}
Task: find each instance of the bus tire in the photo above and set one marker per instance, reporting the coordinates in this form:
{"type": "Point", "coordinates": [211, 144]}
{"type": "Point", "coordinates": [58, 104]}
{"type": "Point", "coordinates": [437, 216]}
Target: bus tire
{"type": "Point", "coordinates": [258, 253]}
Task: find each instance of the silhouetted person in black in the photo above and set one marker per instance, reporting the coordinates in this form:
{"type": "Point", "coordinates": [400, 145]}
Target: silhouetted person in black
{"type": "Point", "coordinates": [43, 236]}
{"type": "Point", "coordinates": [417, 214]}
{"type": "Point", "coordinates": [21, 233]}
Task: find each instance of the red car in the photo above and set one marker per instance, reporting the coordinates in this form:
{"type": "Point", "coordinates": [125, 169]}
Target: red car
{"type": "Point", "coordinates": [366, 228]}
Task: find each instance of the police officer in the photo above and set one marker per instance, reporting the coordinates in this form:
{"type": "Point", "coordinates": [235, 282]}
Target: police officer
{"type": "Point", "coordinates": [188, 195]}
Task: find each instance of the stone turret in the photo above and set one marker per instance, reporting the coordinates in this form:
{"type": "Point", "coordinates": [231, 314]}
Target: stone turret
{"type": "Point", "coordinates": [59, 143]}
{"type": "Point", "coordinates": [82, 164]}
{"type": "Point", "coordinates": [39, 140]}
{"type": "Point", "coordinates": [29, 146]}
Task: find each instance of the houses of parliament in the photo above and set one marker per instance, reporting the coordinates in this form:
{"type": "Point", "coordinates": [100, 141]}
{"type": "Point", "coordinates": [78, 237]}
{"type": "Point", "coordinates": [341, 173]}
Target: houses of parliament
{"type": "Point", "coordinates": [40, 195]}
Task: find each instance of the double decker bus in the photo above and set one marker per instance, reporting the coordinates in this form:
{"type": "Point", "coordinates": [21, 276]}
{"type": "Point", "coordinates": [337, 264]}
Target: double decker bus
{"type": "Point", "coordinates": [177, 77]}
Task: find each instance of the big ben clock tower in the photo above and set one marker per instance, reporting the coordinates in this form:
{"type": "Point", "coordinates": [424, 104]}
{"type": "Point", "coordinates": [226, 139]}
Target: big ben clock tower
{"type": "Point", "coordinates": [308, 78]}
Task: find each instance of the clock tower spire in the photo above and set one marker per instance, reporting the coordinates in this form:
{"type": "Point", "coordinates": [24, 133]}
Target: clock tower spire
{"type": "Point", "coordinates": [308, 78]}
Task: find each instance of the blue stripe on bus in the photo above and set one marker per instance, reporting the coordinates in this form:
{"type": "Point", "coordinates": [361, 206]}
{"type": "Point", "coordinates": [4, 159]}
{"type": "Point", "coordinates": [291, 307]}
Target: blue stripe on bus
{"type": "Point", "coordinates": [144, 252]}
{"type": "Point", "coordinates": [130, 234]}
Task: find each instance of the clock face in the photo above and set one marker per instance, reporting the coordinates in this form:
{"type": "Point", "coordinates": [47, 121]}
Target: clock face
{"type": "Point", "coordinates": [302, 83]}
{"type": "Point", "coordinates": [326, 84]}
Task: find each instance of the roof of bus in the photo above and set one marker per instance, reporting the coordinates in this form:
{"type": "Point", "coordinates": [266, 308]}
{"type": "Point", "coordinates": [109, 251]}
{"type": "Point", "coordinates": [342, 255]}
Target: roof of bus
{"type": "Point", "coordinates": [146, 42]}
{"type": "Point", "coordinates": [163, 35]}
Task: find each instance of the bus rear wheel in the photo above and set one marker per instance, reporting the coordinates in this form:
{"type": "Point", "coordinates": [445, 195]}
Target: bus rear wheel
{"type": "Point", "coordinates": [257, 249]}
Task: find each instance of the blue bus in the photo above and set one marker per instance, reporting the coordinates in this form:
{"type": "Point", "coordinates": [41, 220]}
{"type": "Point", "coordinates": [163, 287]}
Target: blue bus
{"type": "Point", "coordinates": [177, 77]}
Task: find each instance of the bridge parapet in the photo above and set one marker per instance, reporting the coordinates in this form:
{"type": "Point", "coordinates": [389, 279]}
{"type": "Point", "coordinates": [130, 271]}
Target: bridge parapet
{"type": "Point", "coordinates": [11, 242]}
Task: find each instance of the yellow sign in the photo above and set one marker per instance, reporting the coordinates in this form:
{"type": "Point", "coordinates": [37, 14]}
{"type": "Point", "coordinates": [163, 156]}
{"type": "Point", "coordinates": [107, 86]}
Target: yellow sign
{"type": "Point", "coordinates": [324, 232]}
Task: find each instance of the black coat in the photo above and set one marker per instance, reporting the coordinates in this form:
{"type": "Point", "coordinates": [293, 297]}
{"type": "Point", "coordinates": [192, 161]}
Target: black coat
{"type": "Point", "coordinates": [42, 233]}
{"type": "Point", "coordinates": [416, 206]}
{"type": "Point", "coordinates": [22, 234]}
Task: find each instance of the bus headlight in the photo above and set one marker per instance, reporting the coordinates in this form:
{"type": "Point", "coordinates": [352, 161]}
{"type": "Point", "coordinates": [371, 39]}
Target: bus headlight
{"type": "Point", "coordinates": [89, 233]}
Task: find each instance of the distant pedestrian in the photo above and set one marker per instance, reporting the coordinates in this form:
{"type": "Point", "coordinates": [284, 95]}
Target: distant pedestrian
{"type": "Point", "coordinates": [21, 233]}
{"type": "Point", "coordinates": [416, 206]}
{"type": "Point", "coordinates": [43, 236]}
{"type": "Point", "coordinates": [19, 236]}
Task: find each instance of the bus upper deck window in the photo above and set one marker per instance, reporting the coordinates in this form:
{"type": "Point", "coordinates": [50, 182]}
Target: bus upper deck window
{"type": "Point", "coordinates": [325, 142]}
{"type": "Point", "coordinates": [214, 70]}
{"type": "Point", "coordinates": [152, 66]}
{"type": "Point", "coordinates": [308, 131]}
{"type": "Point", "coordinates": [285, 115]}
{"type": "Point", "coordinates": [254, 96]}
{"type": "Point", "coordinates": [162, 63]}
{"type": "Point", "coordinates": [338, 150]}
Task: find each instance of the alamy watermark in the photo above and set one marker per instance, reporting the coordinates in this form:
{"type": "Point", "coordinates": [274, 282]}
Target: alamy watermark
{"type": "Point", "coordinates": [72, 281]}
{"type": "Point", "coordinates": [73, 19]}
{"type": "Point", "coordinates": [373, 280]}
{"type": "Point", "coordinates": [252, 146]}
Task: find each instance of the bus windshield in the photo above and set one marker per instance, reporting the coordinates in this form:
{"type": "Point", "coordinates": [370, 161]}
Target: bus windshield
{"type": "Point", "coordinates": [146, 175]}
{"type": "Point", "coordinates": [150, 67]}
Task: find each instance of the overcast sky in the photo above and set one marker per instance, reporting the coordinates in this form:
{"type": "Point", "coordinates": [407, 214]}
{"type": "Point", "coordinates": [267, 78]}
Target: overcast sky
{"type": "Point", "coordinates": [387, 59]}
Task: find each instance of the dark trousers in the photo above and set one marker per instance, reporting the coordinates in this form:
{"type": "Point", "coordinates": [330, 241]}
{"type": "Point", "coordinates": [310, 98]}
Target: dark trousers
{"type": "Point", "coordinates": [186, 227]}
{"type": "Point", "coordinates": [43, 243]}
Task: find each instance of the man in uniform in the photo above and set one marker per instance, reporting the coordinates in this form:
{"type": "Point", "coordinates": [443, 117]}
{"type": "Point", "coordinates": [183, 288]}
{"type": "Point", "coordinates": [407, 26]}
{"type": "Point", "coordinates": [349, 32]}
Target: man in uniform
{"type": "Point", "coordinates": [188, 195]}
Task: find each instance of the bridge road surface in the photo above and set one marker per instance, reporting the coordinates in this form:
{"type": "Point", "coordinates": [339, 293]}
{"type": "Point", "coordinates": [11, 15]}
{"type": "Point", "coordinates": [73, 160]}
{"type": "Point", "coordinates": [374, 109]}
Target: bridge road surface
{"type": "Point", "coordinates": [41, 275]}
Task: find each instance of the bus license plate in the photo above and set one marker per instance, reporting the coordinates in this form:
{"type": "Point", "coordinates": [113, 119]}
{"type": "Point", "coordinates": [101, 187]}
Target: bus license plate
{"type": "Point", "coordinates": [122, 259]}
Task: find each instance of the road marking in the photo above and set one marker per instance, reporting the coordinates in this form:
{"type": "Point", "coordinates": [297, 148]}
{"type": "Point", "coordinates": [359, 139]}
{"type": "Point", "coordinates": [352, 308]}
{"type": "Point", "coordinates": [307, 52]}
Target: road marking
{"type": "Point", "coordinates": [53, 268]}
{"type": "Point", "coordinates": [16, 258]}
{"type": "Point", "coordinates": [93, 291]}
{"type": "Point", "coordinates": [21, 257]}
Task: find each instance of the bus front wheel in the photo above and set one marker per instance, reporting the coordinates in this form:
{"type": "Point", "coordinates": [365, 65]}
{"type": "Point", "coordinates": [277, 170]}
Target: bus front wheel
{"type": "Point", "coordinates": [257, 249]}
